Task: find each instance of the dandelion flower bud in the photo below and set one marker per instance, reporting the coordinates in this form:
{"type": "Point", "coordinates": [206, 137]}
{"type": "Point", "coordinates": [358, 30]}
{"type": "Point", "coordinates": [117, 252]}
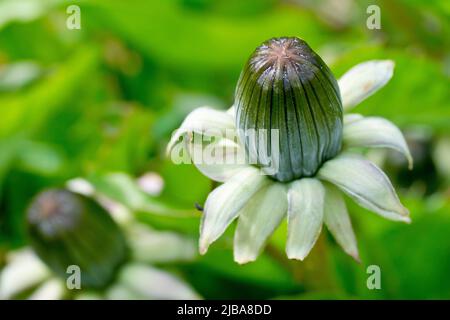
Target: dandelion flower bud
{"type": "Point", "coordinates": [68, 229]}
{"type": "Point", "coordinates": [286, 86]}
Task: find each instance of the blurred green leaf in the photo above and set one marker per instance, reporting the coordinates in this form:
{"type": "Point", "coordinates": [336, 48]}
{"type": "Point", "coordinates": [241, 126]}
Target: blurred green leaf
{"type": "Point", "coordinates": [123, 189]}
{"type": "Point", "coordinates": [39, 158]}
{"type": "Point", "coordinates": [184, 184]}
{"type": "Point", "coordinates": [18, 75]}
{"type": "Point", "coordinates": [413, 259]}
{"type": "Point", "coordinates": [24, 10]}
{"type": "Point", "coordinates": [216, 275]}
{"type": "Point", "coordinates": [221, 44]}
{"type": "Point", "coordinates": [29, 111]}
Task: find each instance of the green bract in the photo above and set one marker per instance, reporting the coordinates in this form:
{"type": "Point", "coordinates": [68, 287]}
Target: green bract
{"type": "Point", "coordinates": [286, 86]}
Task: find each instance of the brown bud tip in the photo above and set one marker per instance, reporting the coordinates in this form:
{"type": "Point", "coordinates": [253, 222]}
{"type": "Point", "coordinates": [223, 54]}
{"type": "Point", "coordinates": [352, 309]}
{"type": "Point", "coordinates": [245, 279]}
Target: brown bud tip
{"type": "Point", "coordinates": [55, 211]}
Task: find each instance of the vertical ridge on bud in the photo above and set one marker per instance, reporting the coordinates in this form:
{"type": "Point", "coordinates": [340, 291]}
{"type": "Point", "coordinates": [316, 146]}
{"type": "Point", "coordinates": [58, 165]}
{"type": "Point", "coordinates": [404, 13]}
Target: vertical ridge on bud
{"type": "Point", "coordinates": [70, 229]}
{"type": "Point", "coordinates": [286, 86]}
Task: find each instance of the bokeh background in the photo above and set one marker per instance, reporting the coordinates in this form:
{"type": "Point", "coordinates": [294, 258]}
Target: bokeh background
{"type": "Point", "coordinates": [100, 104]}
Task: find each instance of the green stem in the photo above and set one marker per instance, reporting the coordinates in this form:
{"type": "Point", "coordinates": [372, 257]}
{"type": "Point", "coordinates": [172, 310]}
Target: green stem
{"type": "Point", "coordinates": [316, 270]}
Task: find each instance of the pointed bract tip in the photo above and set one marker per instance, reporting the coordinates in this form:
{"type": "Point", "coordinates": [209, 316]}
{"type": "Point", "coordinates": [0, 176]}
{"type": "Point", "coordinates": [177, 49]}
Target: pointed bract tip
{"type": "Point", "coordinates": [244, 258]}
{"type": "Point", "coordinates": [203, 246]}
{"type": "Point", "coordinates": [406, 220]}
{"type": "Point", "coordinates": [390, 63]}
{"type": "Point", "coordinates": [296, 256]}
{"type": "Point", "coordinates": [355, 256]}
{"type": "Point", "coordinates": [405, 212]}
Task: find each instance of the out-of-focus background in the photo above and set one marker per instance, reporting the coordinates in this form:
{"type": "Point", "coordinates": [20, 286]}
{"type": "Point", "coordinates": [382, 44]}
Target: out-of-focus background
{"type": "Point", "coordinates": [99, 104]}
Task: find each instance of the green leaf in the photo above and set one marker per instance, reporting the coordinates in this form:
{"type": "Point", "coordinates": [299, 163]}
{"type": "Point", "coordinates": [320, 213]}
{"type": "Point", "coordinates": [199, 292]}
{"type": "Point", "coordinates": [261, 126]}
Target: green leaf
{"type": "Point", "coordinates": [215, 275]}
{"type": "Point", "coordinates": [39, 158]}
{"type": "Point", "coordinates": [24, 10]}
{"type": "Point", "coordinates": [153, 211]}
{"type": "Point", "coordinates": [165, 31]}
{"type": "Point", "coordinates": [29, 111]}
{"type": "Point", "coordinates": [414, 259]}
{"type": "Point", "coordinates": [124, 189]}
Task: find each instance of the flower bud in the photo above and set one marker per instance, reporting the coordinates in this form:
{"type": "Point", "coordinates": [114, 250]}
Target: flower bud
{"type": "Point", "coordinates": [286, 86]}
{"type": "Point", "coordinates": [68, 229]}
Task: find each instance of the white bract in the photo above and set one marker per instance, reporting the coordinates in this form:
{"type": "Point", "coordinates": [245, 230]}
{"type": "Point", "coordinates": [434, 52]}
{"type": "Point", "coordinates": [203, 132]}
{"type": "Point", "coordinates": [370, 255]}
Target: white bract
{"type": "Point", "coordinates": [26, 276]}
{"type": "Point", "coordinates": [260, 203]}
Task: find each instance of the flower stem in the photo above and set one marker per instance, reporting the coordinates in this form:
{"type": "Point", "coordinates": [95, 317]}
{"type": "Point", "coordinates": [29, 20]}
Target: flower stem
{"type": "Point", "coordinates": [316, 273]}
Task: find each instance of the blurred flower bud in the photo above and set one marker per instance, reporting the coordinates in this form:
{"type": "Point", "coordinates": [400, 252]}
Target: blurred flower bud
{"type": "Point", "coordinates": [68, 229]}
{"type": "Point", "coordinates": [286, 86]}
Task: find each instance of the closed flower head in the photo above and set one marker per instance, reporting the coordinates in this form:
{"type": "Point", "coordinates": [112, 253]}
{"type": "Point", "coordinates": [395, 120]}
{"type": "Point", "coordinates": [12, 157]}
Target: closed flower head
{"type": "Point", "coordinates": [288, 116]}
{"type": "Point", "coordinates": [68, 229]}
{"type": "Point", "coordinates": [285, 86]}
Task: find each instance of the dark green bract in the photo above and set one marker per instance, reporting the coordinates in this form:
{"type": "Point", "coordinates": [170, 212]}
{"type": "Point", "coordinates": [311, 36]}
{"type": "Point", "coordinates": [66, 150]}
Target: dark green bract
{"type": "Point", "coordinates": [285, 85]}
{"type": "Point", "coordinates": [68, 229]}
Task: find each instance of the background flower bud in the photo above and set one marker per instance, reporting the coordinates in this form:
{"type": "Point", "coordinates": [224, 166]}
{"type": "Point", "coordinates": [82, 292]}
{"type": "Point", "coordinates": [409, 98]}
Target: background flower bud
{"type": "Point", "coordinates": [286, 86]}
{"type": "Point", "coordinates": [69, 229]}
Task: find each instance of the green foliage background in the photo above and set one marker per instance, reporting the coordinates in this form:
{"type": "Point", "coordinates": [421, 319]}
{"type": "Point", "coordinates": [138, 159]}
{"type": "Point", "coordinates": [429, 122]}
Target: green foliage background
{"type": "Point", "coordinates": [106, 98]}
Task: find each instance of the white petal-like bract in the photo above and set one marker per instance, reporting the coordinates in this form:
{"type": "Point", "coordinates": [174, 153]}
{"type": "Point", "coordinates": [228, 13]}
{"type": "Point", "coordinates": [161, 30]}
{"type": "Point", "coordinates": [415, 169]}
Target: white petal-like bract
{"type": "Point", "coordinates": [257, 221]}
{"type": "Point", "coordinates": [24, 271]}
{"type": "Point", "coordinates": [365, 183]}
{"type": "Point", "coordinates": [363, 80]}
{"type": "Point", "coordinates": [53, 289]}
{"type": "Point", "coordinates": [337, 220]}
{"type": "Point", "coordinates": [351, 117]}
{"type": "Point", "coordinates": [218, 160]}
{"type": "Point", "coordinates": [376, 132]}
{"type": "Point", "coordinates": [203, 120]}
{"type": "Point", "coordinates": [223, 204]}
{"type": "Point", "coordinates": [141, 281]}
{"type": "Point", "coordinates": [305, 216]}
